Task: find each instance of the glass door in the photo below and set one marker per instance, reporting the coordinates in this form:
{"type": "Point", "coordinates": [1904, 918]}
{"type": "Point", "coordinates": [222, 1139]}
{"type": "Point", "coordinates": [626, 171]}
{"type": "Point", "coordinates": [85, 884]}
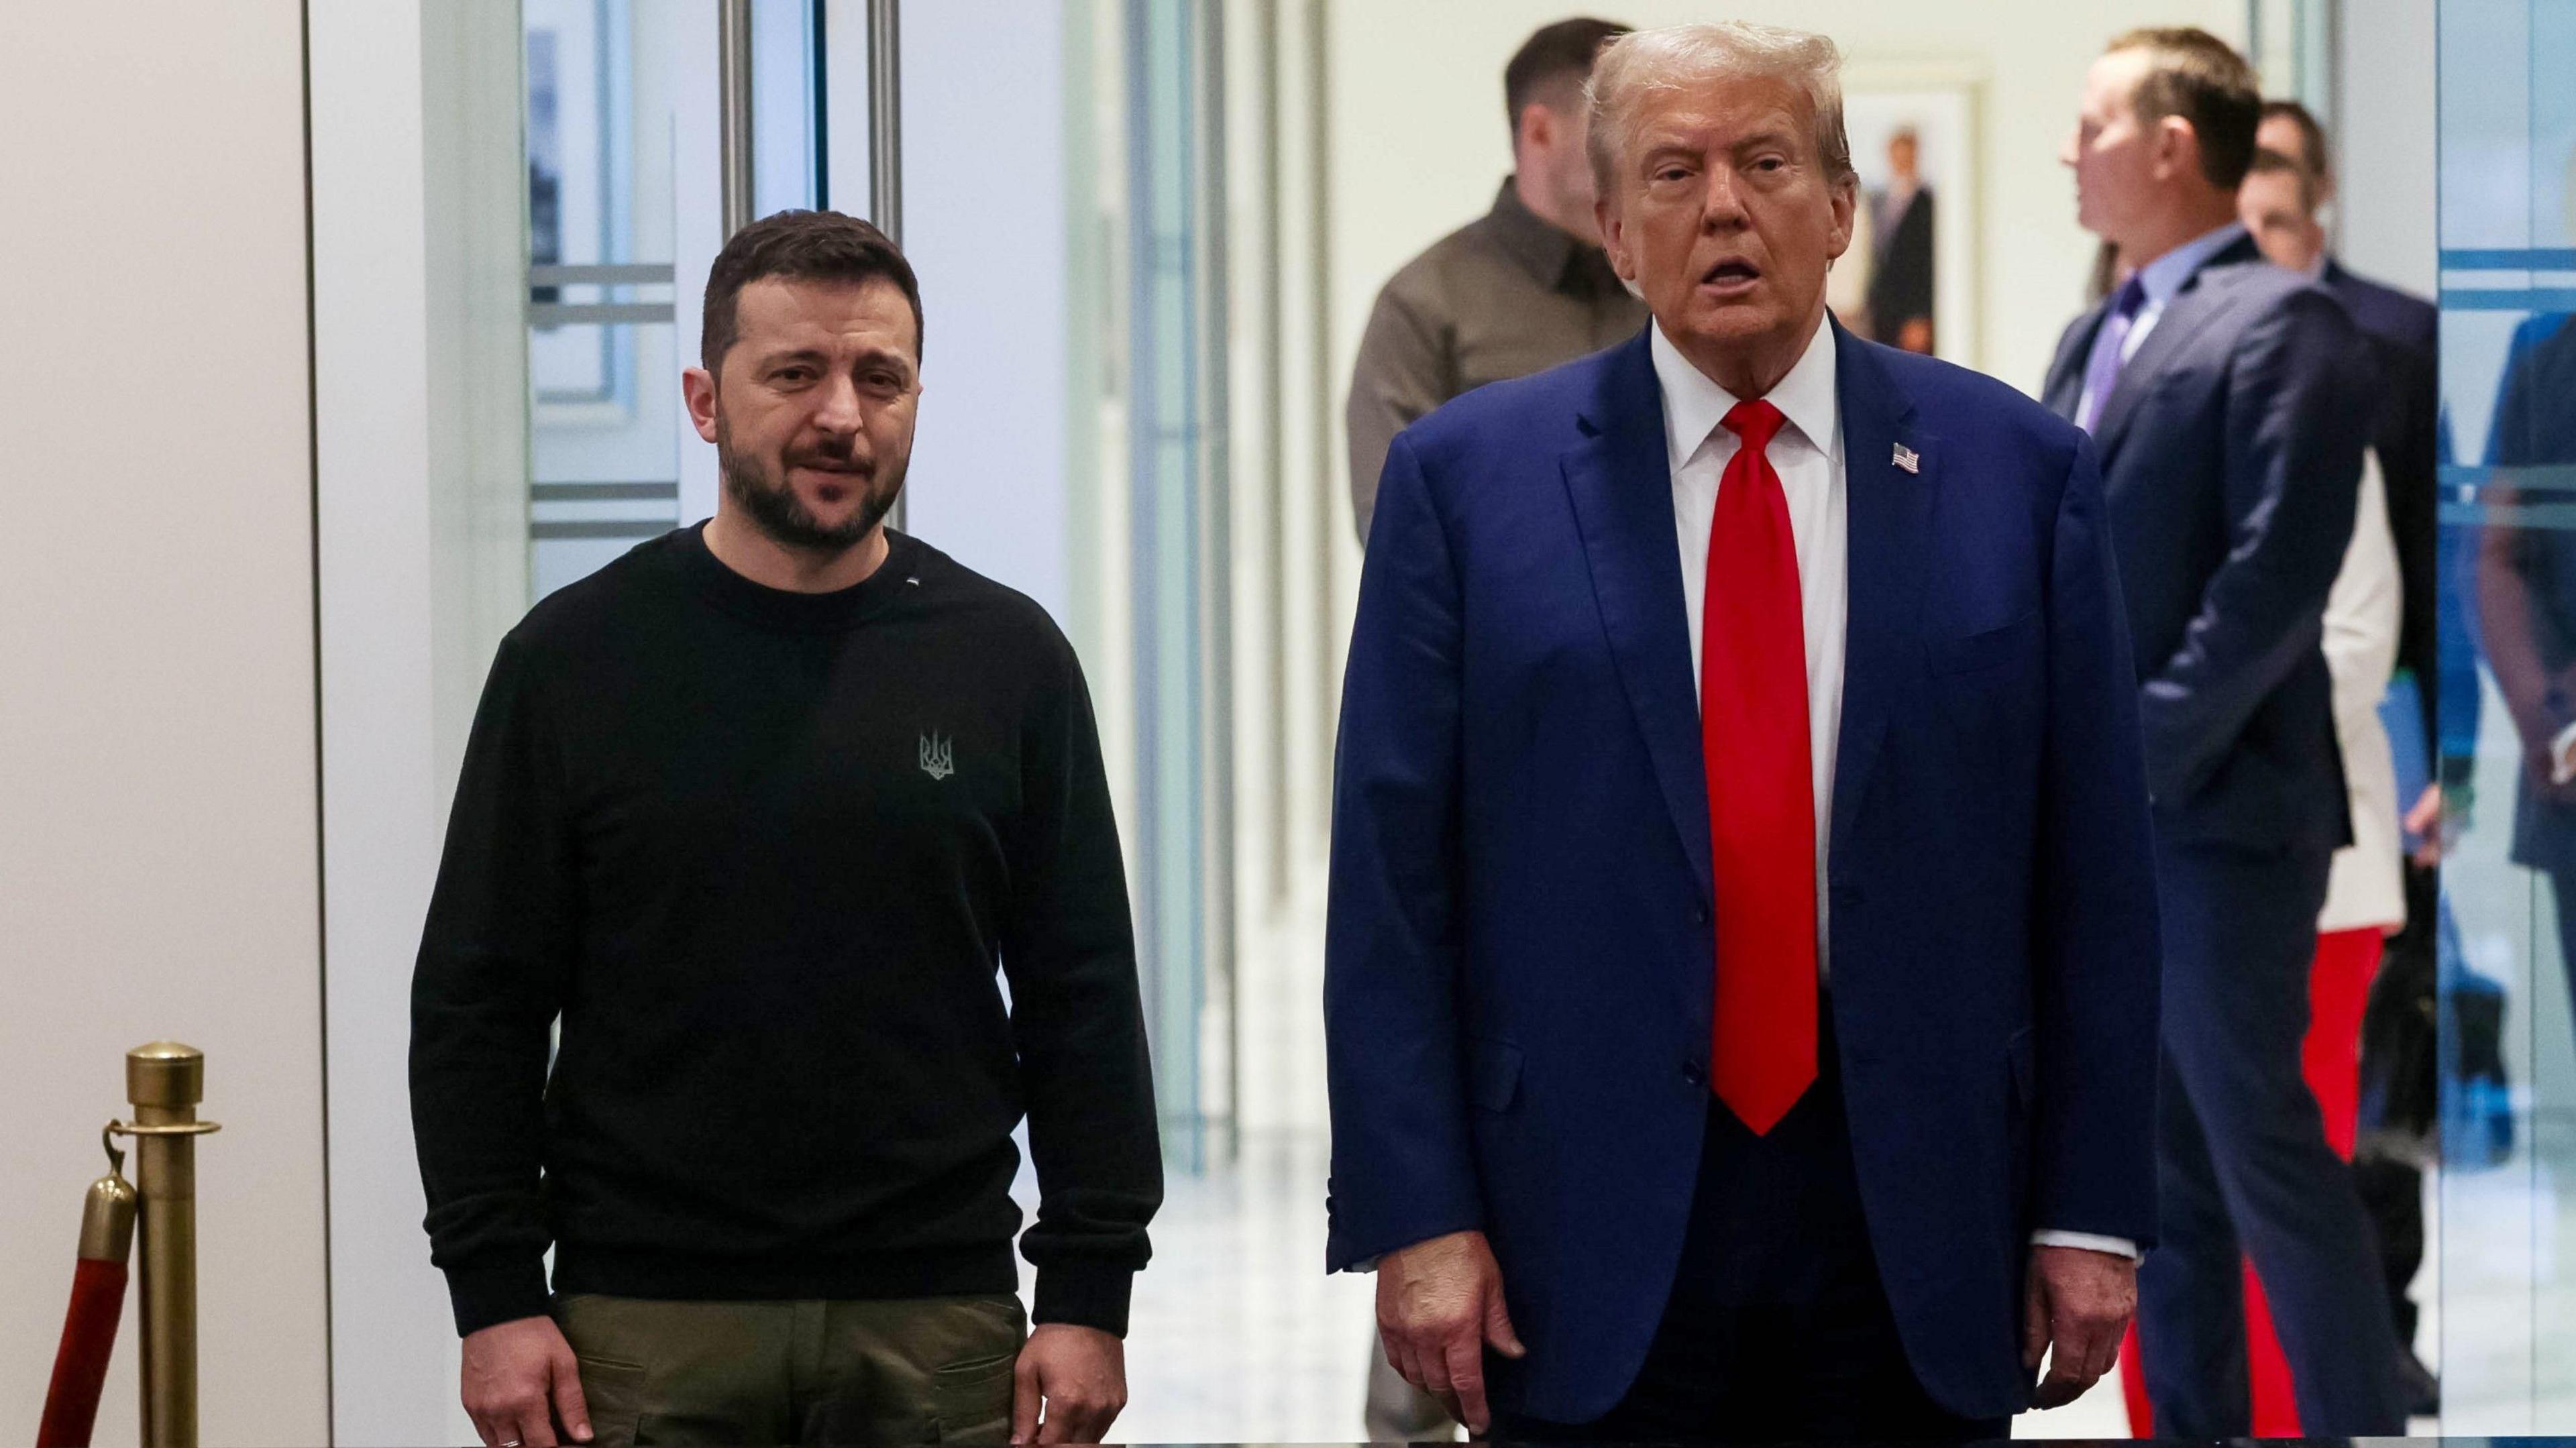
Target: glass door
{"type": "Point", "coordinates": [2507, 1198]}
{"type": "Point", "coordinates": [618, 125]}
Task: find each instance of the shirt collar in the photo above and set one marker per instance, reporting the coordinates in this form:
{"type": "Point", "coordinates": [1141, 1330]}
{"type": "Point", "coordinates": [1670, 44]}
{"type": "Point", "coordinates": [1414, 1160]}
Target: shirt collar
{"type": "Point", "coordinates": [1695, 406]}
{"type": "Point", "coordinates": [2164, 276]}
{"type": "Point", "coordinates": [1546, 251]}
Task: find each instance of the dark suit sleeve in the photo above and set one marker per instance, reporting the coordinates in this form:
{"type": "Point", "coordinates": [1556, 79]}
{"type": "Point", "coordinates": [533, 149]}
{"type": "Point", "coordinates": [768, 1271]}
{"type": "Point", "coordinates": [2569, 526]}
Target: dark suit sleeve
{"type": "Point", "coordinates": [2518, 575]}
{"type": "Point", "coordinates": [1402, 1169]}
{"type": "Point", "coordinates": [2299, 378]}
{"type": "Point", "coordinates": [1403, 372]}
{"type": "Point", "coordinates": [1069, 949]}
{"type": "Point", "coordinates": [2408, 457]}
{"type": "Point", "coordinates": [2098, 957]}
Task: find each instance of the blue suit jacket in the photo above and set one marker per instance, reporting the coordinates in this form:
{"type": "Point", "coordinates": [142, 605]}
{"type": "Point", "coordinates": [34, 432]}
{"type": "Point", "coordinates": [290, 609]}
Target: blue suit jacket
{"type": "Point", "coordinates": [2231, 460]}
{"type": "Point", "coordinates": [1520, 960]}
{"type": "Point", "coordinates": [2403, 330]}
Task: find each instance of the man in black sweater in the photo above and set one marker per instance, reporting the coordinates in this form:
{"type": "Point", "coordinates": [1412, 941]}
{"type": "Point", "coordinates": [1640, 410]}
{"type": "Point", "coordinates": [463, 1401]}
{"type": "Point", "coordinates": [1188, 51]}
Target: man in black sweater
{"type": "Point", "coordinates": [754, 813]}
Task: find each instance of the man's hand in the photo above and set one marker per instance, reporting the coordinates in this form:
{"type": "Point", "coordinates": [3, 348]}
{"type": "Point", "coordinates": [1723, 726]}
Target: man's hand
{"type": "Point", "coordinates": [2075, 1309]}
{"type": "Point", "coordinates": [2424, 822]}
{"type": "Point", "coordinates": [1079, 1374]}
{"type": "Point", "coordinates": [521, 1382]}
{"type": "Point", "coordinates": [2542, 762]}
{"type": "Point", "coordinates": [1438, 1304]}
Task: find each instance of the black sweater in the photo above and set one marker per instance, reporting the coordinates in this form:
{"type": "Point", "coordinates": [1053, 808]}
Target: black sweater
{"type": "Point", "coordinates": [760, 853]}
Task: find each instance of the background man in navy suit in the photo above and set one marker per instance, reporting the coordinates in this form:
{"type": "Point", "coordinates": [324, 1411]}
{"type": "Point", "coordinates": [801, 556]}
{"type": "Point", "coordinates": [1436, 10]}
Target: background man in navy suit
{"type": "Point", "coordinates": [2402, 329]}
{"type": "Point", "coordinates": [2293, 176]}
{"type": "Point", "coordinates": [1741, 966]}
{"type": "Point", "coordinates": [2221, 392]}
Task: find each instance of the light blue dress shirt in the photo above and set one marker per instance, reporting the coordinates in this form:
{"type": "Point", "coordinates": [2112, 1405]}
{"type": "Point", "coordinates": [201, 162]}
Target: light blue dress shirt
{"type": "Point", "coordinates": [2160, 280]}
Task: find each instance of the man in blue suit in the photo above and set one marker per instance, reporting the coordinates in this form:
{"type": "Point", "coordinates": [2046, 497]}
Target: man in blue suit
{"type": "Point", "coordinates": [1741, 968]}
{"type": "Point", "coordinates": [2230, 401]}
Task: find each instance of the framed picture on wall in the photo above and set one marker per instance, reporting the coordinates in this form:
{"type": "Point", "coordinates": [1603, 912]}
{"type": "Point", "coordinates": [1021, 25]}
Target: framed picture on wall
{"type": "Point", "coordinates": [1910, 279]}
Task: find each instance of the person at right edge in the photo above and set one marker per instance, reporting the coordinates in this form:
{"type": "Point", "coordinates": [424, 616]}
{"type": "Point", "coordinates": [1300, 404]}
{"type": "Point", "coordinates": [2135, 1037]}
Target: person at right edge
{"type": "Point", "coordinates": [2526, 600]}
{"type": "Point", "coordinates": [2220, 392]}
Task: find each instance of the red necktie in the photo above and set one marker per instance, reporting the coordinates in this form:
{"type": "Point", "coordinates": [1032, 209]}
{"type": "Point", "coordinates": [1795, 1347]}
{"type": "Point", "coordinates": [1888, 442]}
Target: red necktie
{"type": "Point", "coordinates": [1761, 794]}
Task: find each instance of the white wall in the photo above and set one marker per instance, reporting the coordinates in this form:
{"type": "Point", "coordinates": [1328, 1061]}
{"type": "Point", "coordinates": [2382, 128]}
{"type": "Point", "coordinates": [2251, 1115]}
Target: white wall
{"type": "Point", "coordinates": [2385, 154]}
{"type": "Point", "coordinates": [157, 851]}
{"type": "Point", "coordinates": [1419, 139]}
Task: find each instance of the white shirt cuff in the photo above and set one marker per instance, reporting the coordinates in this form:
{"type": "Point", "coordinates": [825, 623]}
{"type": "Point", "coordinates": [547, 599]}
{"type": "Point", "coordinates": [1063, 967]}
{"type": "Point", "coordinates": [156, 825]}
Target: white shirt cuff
{"type": "Point", "coordinates": [2114, 1246]}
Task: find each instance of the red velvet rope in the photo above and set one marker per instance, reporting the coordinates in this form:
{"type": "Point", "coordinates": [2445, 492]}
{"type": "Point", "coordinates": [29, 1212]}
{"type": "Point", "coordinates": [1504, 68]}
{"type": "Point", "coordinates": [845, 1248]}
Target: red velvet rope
{"type": "Point", "coordinates": [80, 1365]}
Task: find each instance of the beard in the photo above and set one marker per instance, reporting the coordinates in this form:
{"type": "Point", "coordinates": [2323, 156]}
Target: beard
{"type": "Point", "coordinates": [770, 502]}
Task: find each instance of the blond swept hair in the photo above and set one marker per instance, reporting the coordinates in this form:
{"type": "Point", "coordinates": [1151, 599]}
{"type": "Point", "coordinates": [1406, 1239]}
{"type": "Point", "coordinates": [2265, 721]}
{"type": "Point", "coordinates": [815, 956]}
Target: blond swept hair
{"type": "Point", "coordinates": [1645, 63]}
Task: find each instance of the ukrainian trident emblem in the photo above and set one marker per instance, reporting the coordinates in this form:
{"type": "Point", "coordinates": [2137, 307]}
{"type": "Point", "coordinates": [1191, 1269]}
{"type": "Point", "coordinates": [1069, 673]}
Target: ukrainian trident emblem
{"type": "Point", "coordinates": [938, 756]}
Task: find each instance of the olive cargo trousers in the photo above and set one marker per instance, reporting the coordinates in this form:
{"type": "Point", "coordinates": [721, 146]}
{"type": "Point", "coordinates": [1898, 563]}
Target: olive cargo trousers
{"type": "Point", "coordinates": [916, 1370]}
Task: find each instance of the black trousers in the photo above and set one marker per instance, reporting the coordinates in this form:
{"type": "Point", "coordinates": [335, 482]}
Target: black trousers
{"type": "Point", "coordinates": [2392, 1192]}
{"type": "Point", "coordinates": [1778, 1327]}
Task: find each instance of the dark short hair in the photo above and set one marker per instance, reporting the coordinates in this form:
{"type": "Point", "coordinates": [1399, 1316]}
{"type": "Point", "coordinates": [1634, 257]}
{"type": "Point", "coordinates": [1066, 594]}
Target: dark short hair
{"type": "Point", "coordinates": [1552, 53]}
{"type": "Point", "coordinates": [2268, 162]}
{"type": "Point", "coordinates": [820, 246]}
{"type": "Point", "coordinates": [2199, 77]}
{"type": "Point", "coordinates": [2312, 135]}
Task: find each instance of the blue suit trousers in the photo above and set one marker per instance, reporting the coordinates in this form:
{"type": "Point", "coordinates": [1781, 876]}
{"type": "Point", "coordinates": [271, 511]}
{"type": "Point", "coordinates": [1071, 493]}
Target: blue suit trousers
{"type": "Point", "coordinates": [1779, 1328]}
{"type": "Point", "coordinates": [2244, 1169]}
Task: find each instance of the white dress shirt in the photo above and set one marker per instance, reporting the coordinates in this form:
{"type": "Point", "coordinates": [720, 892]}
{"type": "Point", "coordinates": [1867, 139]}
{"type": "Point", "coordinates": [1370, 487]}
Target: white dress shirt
{"type": "Point", "coordinates": [2367, 886]}
{"type": "Point", "coordinates": [1807, 453]}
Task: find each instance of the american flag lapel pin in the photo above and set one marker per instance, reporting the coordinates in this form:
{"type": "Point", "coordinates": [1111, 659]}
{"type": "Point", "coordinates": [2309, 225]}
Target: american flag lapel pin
{"type": "Point", "coordinates": [1906, 459]}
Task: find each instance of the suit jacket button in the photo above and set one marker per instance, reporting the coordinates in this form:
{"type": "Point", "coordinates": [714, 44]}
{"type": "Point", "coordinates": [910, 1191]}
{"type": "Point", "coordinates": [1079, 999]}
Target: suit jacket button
{"type": "Point", "coordinates": [1700, 914]}
{"type": "Point", "coordinates": [1694, 1073]}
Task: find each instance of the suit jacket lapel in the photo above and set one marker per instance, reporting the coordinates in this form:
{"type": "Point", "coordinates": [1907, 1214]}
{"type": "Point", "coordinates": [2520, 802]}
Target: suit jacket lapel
{"type": "Point", "coordinates": [2192, 309]}
{"type": "Point", "coordinates": [1888, 512]}
{"type": "Point", "coordinates": [2063, 392]}
{"type": "Point", "coordinates": [1620, 481]}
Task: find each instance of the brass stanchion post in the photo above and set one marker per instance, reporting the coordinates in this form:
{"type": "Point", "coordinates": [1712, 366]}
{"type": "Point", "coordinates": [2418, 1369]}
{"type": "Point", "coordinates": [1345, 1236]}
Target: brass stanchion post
{"type": "Point", "coordinates": [165, 1081]}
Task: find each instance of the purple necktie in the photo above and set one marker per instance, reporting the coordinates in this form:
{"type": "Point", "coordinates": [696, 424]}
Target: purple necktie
{"type": "Point", "coordinates": [2102, 368]}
